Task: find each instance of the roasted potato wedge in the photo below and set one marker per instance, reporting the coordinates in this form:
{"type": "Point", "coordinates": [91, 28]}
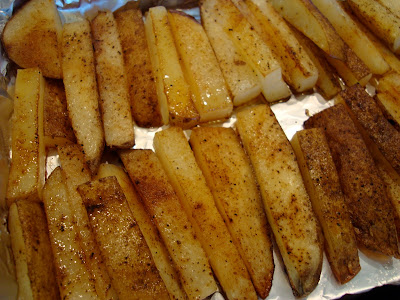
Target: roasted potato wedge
{"type": "Point", "coordinates": [73, 276]}
{"type": "Point", "coordinates": [388, 97]}
{"type": "Point", "coordinates": [392, 5]}
{"type": "Point", "coordinates": [31, 37]}
{"type": "Point", "coordinates": [36, 275]}
{"type": "Point", "coordinates": [286, 202]}
{"type": "Point", "coordinates": [126, 254]}
{"type": "Point", "coordinates": [323, 186]}
{"type": "Point", "coordinates": [112, 82]}
{"type": "Point", "coordinates": [370, 209]}
{"type": "Point", "coordinates": [81, 90]}
{"type": "Point", "coordinates": [173, 91]}
{"type": "Point", "coordinates": [175, 155]}
{"type": "Point", "coordinates": [140, 76]}
{"type": "Point", "coordinates": [27, 169]}
{"type": "Point", "coordinates": [352, 35]}
{"type": "Point", "coordinates": [229, 175]}
{"type": "Point", "coordinates": [201, 68]}
{"type": "Point", "coordinates": [163, 205]}
{"type": "Point", "coordinates": [57, 125]}
{"type": "Point", "coordinates": [150, 233]}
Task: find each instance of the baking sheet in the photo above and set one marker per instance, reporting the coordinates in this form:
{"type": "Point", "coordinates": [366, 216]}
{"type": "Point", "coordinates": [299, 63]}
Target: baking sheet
{"type": "Point", "coordinates": [375, 271]}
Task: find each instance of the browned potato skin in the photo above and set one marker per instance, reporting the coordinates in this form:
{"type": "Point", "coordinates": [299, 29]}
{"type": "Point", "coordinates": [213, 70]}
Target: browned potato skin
{"type": "Point", "coordinates": [367, 113]}
{"type": "Point", "coordinates": [57, 126]}
{"type": "Point", "coordinates": [323, 186]}
{"type": "Point", "coordinates": [37, 250]}
{"type": "Point", "coordinates": [142, 88]}
{"type": "Point", "coordinates": [369, 207]}
{"type": "Point", "coordinates": [126, 254]}
{"type": "Point", "coordinates": [31, 37]}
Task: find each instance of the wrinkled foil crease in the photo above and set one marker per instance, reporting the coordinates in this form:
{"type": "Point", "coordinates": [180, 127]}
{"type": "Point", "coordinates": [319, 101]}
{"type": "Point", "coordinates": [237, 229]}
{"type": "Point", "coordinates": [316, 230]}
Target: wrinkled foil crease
{"type": "Point", "coordinates": [290, 114]}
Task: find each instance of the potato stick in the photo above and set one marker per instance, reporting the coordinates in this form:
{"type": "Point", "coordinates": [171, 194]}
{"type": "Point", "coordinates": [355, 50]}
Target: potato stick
{"type": "Point", "coordinates": [150, 233]}
{"type": "Point", "coordinates": [36, 275]}
{"type": "Point", "coordinates": [140, 76]}
{"type": "Point", "coordinates": [126, 254]}
{"type": "Point", "coordinates": [81, 90]}
{"type": "Point", "coordinates": [229, 175]}
{"type": "Point", "coordinates": [286, 202]}
{"type": "Point", "coordinates": [323, 186]}
{"type": "Point", "coordinates": [27, 169]}
{"type": "Point", "coordinates": [210, 94]}
{"type": "Point", "coordinates": [177, 232]}
{"type": "Point", "coordinates": [73, 276]}
{"type": "Point", "coordinates": [179, 163]}
{"type": "Point", "coordinates": [388, 97]}
{"type": "Point", "coordinates": [369, 207]}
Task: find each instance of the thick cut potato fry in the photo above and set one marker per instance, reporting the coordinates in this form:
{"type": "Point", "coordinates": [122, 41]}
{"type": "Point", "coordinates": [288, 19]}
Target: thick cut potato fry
{"type": "Point", "coordinates": [57, 125]}
{"type": "Point", "coordinates": [323, 186]}
{"type": "Point", "coordinates": [380, 20]}
{"type": "Point", "coordinates": [286, 202]}
{"type": "Point", "coordinates": [352, 35]}
{"type": "Point", "coordinates": [250, 46]}
{"type": "Point", "coordinates": [126, 254]}
{"type": "Point", "coordinates": [163, 205]}
{"type": "Point", "coordinates": [297, 68]}
{"type": "Point", "coordinates": [388, 97]}
{"type": "Point", "coordinates": [366, 113]}
{"type": "Point", "coordinates": [27, 169]}
{"type": "Point", "coordinates": [229, 175]}
{"type": "Point", "coordinates": [142, 86]}
{"type": "Point", "coordinates": [304, 16]}
{"type": "Point", "coordinates": [74, 173]}
{"type": "Point", "coordinates": [112, 82]}
{"type": "Point", "coordinates": [173, 150]}
{"type": "Point", "coordinates": [173, 91]}
{"type": "Point", "coordinates": [36, 275]}
{"type": "Point", "coordinates": [31, 37]}
{"type": "Point", "coordinates": [150, 233]}
{"type": "Point", "coordinates": [210, 94]}
{"type": "Point", "coordinates": [242, 81]}
{"type": "Point", "coordinates": [392, 5]}
{"type": "Point", "coordinates": [328, 83]}
{"type": "Point", "coordinates": [370, 209]}
{"type": "Point", "coordinates": [73, 276]}
{"type": "Point", "coordinates": [81, 90]}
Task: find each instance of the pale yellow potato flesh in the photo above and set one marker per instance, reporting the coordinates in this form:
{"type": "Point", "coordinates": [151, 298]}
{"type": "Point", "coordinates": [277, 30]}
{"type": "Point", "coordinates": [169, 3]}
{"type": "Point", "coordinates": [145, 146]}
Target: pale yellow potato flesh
{"type": "Point", "coordinates": [173, 91]}
{"type": "Point", "coordinates": [31, 37]}
{"type": "Point", "coordinates": [73, 275]}
{"type": "Point", "coordinates": [352, 35]}
{"type": "Point", "coordinates": [388, 97]}
{"type": "Point", "coordinates": [74, 173]}
{"type": "Point", "coordinates": [150, 233]}
{"type": "Point", "coordinates": [229, 175]}
{"type": "Point", "coordinates": [178, 161]}
{"type": "Point", "coordinates": [286, 202]}
{"type": "Point", "coordinates": [323, 186]}
{"type": "Point", "coordinates": [81, 90]}
{"type": "Point", "coordinates": [121, 243]}
{"type": "Point", "coordinates": [242, 81]}
{"type": "Point", "coordinates": [112, 82]}
{"type": "Point", "coordinates": [27, 170]}
{"type": "Point", "coordinates": [201, 68]}
{"type": "Point", "coordinates": [36, 276]}
{"type": "Point", "coordinates": [163, 205]}
{"type": "Point", "coordinates": [297, 68]}
{"type": "Point", "coordinates": [392, 5]}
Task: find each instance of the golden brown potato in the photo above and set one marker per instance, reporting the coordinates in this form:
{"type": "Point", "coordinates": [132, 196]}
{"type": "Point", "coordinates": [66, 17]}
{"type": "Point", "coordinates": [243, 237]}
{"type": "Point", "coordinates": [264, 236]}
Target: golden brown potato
{"type": "Point", "coordinates": [286, 202]}
{"type": "Point", "coordinates": [323, 186]}
{"type": "Point", "coordinates": [141, 80]}
{"type": "Point", "coordinates": [31, 37]}
{"type": "Point", "coordinates": [388, 97]}
{"type": "Point", "coordinates": [36, 275]}
{"type": "Point", "coordinates": [122, 245]}
{"type": "Point", "coordinates": [229, 175]}
{"type": "Point", "coordinates": [370, 209]}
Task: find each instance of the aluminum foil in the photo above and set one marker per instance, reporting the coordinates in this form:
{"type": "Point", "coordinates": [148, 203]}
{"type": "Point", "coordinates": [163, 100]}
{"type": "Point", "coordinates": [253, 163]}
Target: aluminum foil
{"type": "Point", "coordinates": [375, 271]}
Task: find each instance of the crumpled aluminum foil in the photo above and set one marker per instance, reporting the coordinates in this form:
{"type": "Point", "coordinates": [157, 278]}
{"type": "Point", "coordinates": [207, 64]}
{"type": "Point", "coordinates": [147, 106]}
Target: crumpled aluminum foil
{"type": "Point", "coordinates": [375, 271]}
